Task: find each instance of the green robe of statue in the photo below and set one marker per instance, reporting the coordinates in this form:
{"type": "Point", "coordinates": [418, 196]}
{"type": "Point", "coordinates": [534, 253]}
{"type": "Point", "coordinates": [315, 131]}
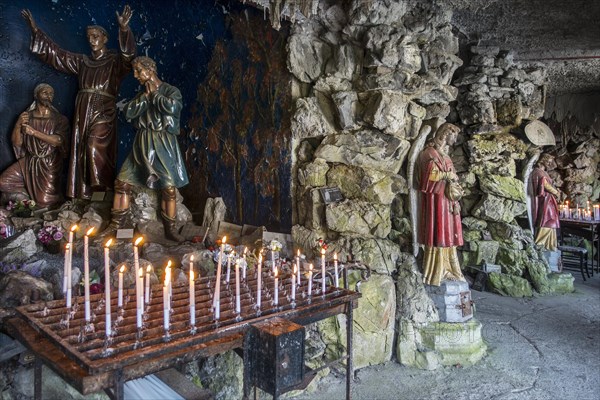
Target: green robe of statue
{"type": "Point", "coordinates": [155, 160]}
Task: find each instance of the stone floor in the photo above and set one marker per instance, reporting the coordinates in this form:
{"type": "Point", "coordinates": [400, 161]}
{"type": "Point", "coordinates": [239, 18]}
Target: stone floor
{"type": "Point", "coordinates": [539, 348]}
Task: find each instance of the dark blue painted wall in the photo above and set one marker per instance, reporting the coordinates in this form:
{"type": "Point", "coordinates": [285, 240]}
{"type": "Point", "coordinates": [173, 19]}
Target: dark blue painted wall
{"type": "Point", "coordinates": [181, 36]}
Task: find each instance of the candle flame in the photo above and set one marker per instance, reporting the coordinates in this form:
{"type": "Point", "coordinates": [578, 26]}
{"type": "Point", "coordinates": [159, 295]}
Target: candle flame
{"type": "Point", "coordinates": [224, 240]}
{"type": "Point", "coordinates": [298, 252]}
{"type": "Point", "coordinates": [322, 252]}
{"type": "Point", "coordinates": [108, 243]}
{"type": "Point", "coordinates": [310, 267]}
{"type": "Point", "coordinates": [275, 273]}
{"type": "Point", "coordinates": [149, 269]}
{"type": "Point", "coordinates": [141, 272]}
{"type": "Point", "coordinates": [245, 250]}
{"type": "Point", "coordinates": [138, 241]}
{"type": "Point", "coordinates": [192, 258]}
{"type": "Point", "coordinates": [74, 228]}
{"type": "Point", "coordinates": [169, 264]}
{"type": "Point", "coordinates": [335, 256]}
{"type": "Point", "coordinates": [67, 246]}
{"type": "Point", "coordinates": [122, 269]}
{"type": "Point", "coordinates": [89, 231]}
{"type": "Point", "coordinates": [294, 269]}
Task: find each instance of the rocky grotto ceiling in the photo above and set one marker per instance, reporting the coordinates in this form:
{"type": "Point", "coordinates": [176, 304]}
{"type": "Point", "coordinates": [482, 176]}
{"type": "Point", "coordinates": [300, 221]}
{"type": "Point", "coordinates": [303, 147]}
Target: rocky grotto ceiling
{"type": "Point", "coordinates": [562, 35]}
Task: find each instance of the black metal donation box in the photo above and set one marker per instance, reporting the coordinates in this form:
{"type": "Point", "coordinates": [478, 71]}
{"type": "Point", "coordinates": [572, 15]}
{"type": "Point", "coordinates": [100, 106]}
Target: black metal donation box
{"type": "Point", "coordinates": [274, 355]}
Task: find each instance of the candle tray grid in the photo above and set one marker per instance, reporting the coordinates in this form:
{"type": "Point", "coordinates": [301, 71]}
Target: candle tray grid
{"type": "Point", "coordinates": [87, 345]}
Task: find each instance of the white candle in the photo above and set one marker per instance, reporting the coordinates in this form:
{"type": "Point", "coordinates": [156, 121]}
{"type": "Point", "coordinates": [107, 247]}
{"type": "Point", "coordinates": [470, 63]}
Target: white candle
{"type": "Point", "coordinates": [69, 275]}
{"type": "Point", "coordinates": [167, 296]}
{"type": "Point", "coordinates": [597, 212]}
{"type": "Point", "coordinates": [148, 270]}
{"type": "Point", "coordinates": [298, 266]}
{"type": "Point", "coordinates": [192, 293]}
{"type": "Point", "coordinates": [276, 299]}
{"type": "Point", "coordinates": [217, 295]}
{"type": "Point", "coordinates": [273, 259]}
{"type": "Point", "coordinates": [335, 266]}
{"type": "Point", "coordinates": [120, 290]}
{"type": "Point", "coordinates": [136, 265]}
{"type": "Point", "coordinates": [86, 274]}
{"type": "Point", "coordinates": [107, 319]}
{"type": "Point", "coordinates": [237, 287]}
{"type": "Point", "coordinates": [166, 306]}
{"type": "Point", "coordinates": [66, 269]}
{"type": "Point", "coordinates": [323, 271]}
{"type": "Point", "coordinates": [228, 268]}
{"type": "Point", "coordinates": [245, 265]}
{"type": "Point", "coordinates": [259, 281]}
{"type": "Point", "coordinates": [294, 284]}
{"type": "Point", "coordinates": [310, 269]}
{"type": "Point", "coordinates": [169, 279]}
{"type": "Point", "coordinates": [140, 299]}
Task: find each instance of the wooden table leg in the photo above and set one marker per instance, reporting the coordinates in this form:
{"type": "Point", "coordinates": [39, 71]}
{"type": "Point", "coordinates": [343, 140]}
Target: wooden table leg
{"type": "Point", "coordinates": [349, 363]}
{"type": "Point", "coordinates": [119, 391]}
{"type": "Point", "coordinates": [37, 380]}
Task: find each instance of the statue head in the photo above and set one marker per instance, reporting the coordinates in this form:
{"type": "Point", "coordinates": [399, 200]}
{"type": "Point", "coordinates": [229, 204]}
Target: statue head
{"type": "Point", "coordinates": [43, 94]}
{"type": "Point", "coordinates": [545, 161]}
{"type": "Point", "coordinates": [97, 37]}
{"type": "Point", "coordinates": [446, 134]}
{"type": "Point", "coordinates": [143, 68]}
{"type": "Point", "coordinates": [145, 62]}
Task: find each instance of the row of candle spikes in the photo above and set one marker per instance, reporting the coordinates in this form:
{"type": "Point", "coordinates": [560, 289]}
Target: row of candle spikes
{"type": "Point", "coordinates": [143, 293]}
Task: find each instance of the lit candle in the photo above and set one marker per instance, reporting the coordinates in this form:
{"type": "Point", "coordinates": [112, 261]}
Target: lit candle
{"type": "Point", "coordinates": [169, 278]}
{"type": "Point", "coordinates": [192, 293]}
{"type": "Point", "coordinates": [310, 269]}
{"type": "Point", "coordinates": [568, 210]}
{"type": "Point", "coordinates": [259, 281]}
{"type": "Point", "coordinates": [140, 299]}
{"type": "Point", "coordinates": [335, 266]}
{"type": "Point", "coordinates": [107, 320]}
{"type": "Point", "coordinates": [237, 287]}
{"type": "Point", "coordinates": [120, 292]}
{"type": "Point", "coordinates": [298, 266]}
{"type": "Point", "coordinates": [136, 265]}
{"type": "Point", "coordinates": [217, 295]}
{"type": "Point", "coordinates": [166, 304]}
{"type": "Point", "coordinates": [148, 270]}
{"type": "Point", "coordinates": [323, 271]}
{"type": "Point", "coordinates": [86, 274]}
{"type": "Point", "coordinates": [245, 264]}
{"type": "Point", "coordinates": [276, 298]}
{"type": "Point", "coordinates": [69, 274]}
{"type": "Point", "coordinates": [294, 284]}
{"type": "Point", "coordinates": [66, 268]}
{"type": "Point", "coordinates": [68, 262]}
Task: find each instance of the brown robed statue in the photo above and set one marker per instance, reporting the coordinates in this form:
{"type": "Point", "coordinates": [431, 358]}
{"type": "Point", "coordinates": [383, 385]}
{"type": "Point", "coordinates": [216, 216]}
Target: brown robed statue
{"type": "Point", "coordinates": [40, 139]}
{"type": "Point", "coordinates": [94, 142]}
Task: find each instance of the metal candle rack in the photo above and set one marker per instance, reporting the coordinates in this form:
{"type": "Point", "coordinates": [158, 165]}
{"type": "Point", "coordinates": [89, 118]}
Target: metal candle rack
{"type": "Point", "coordinates": [90, 349]}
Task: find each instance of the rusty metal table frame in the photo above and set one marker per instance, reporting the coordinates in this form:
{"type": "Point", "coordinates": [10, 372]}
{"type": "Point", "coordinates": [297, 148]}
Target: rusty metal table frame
{"type": "Point", "coordinates": [89, 375]}
{"type": "Point", "coordinates": [592, 227]}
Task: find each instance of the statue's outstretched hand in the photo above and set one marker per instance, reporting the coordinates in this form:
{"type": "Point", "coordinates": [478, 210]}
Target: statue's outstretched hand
{"type": "Point", "coordinates": [29, 18]}
{"type": "Point", "coordinates": [124, 17]}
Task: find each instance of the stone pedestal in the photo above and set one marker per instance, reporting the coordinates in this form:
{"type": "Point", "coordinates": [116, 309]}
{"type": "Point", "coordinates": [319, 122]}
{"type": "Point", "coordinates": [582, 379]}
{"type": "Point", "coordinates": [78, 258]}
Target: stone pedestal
{"type": "Point", "coordinates": [453, 300]}
{"type": "Point", "coordinates": [553, 258]}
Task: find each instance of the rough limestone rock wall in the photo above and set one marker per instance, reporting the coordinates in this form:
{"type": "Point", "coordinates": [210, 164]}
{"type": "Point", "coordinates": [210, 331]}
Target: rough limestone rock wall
{"type": "Point", "coordinates": [368, 76]}
{"type": "Point", "coordinates": [496, 98]}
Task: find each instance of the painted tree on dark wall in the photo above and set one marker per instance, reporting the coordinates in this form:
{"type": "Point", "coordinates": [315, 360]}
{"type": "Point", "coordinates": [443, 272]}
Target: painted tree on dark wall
{"type": "Point", "coordinates": [240, 126]}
